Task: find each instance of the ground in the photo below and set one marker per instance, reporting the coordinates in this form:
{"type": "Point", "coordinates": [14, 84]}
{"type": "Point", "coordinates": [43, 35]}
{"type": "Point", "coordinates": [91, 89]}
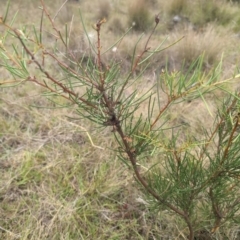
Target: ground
{"type": "Point", "coordinates": [59, 177]}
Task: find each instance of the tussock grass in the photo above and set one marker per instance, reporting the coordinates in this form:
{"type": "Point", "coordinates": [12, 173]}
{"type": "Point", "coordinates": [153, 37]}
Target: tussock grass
{"type": "Point", "coordinates": [176, 7]}
{"type": "Point", "coordinates": [200, 13]}
{"type": "Point", "coordinates": [104, 9]}
{"type": "Point", "coordinates": [139, 16]}
{"type": "Point", "coordinates": [208, 42]}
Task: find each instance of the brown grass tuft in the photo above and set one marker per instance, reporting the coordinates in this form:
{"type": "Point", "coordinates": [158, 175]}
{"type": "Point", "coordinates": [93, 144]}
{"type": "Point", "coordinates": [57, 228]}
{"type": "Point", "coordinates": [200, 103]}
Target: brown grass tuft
{"type": "Point", "coordinates": [207, 42]}
{"type": "Point", "coordinates": [104, 9]}
{"type": "Point", "coordinates": [175, 6]}
{"type": "Point", "coordinates": [116, 26]}
{"type": "Point", "coordinates": [139, 15]}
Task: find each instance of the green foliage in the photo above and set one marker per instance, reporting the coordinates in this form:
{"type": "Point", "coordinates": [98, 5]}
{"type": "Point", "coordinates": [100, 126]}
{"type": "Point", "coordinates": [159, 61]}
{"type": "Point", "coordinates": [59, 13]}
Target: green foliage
{"type": "Point", "coordinates": [194, 182]}
{"type": "Point", "coordinates": [201, 12]}
{"type": "Point", "coordinates": [29, 173]}
{"type": "Point", "coordinates": [210, 11]}
{"type": "Point", "coordinates": [195, 177]}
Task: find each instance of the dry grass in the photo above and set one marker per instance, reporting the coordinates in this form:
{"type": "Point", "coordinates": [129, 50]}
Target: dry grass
{"type": "Point", "coordinates": [202, 12]}
{"type": "Point", "coordinates": [104, 9]}
{"type": "Point", "coordinates": [174, 7]}
{"type": "Point", "coordinates": [208, 42]}
{"type": "Point", "coordinates": [59, 179]}
{"type": "Point", "coordinates": [116, 26]}
{"type": "Point", "coordinates": [139, 15]}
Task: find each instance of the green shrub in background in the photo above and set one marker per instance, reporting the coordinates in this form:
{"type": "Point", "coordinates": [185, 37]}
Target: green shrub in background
{"type": "Point", "coordinates": [210, 11]}
{"type": "Point", "coordinates": [195, 178]}
{"type": "Point", "coordinates": [201, 12]}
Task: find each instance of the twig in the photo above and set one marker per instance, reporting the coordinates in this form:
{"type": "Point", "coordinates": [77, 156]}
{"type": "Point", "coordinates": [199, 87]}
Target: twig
{"type": "Point", "coordinates": [146, 48]}
{"type": "Point", "coordinates": [89, 136]}
{"type": "Point", "coordinates": [59, 10]}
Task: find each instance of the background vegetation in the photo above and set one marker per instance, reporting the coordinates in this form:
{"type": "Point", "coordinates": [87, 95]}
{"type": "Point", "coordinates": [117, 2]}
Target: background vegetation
{"type": "Point", "coordinates": [59, 177]}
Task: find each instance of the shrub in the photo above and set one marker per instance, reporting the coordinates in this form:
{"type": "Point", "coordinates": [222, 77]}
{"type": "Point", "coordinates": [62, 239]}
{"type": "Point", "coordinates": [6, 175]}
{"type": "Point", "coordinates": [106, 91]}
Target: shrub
{"type": "Point", "coordinates": [195, 177]}
{"type": "Point", "coordinates": [209, 11]}
{"type": "Point", "coordinates": [201, 12]}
